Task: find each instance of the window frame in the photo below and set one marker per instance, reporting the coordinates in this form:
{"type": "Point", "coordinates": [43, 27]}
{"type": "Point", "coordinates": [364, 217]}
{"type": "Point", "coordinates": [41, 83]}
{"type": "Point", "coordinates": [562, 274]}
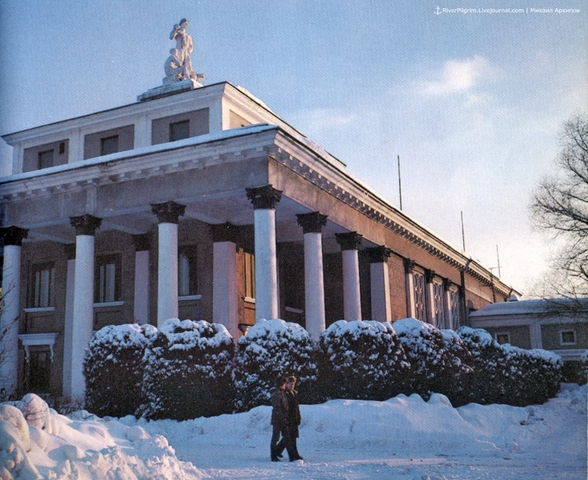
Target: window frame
{"type": "Point", "coordinates": [42, 290]}
{"type": "Point", "coordinates": [101, 280]}
{"type": "Point", "coordinates": [41, 155]}
{"type": "Point", "coordinates": [103, 142]}
{"type": "Point", "coordinates": [562, 332]}
{"type": "Point", "coordinates": [249, 276]}
{"type": "Point", "coordinates": [188, 279]}
{"type": "Point", "coordinates": [500, 334]}
{"type": "Point", "coordinates": [173, 125]}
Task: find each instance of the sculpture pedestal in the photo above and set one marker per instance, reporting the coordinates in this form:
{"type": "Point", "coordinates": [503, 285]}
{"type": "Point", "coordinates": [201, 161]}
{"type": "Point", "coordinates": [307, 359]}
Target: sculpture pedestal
{"type": "Point", "coordinates": [168, 89]}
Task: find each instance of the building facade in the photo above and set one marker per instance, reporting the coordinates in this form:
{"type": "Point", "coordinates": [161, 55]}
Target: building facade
{"type": "Point", "coordinates": [202, 204]}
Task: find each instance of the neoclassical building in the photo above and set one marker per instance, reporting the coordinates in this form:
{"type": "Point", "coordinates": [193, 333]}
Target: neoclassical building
{"type": "Point", "coordinates": [202, 203]}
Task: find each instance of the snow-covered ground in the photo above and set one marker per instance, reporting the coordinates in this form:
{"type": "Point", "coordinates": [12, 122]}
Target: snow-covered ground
{"type": "Point", "coordinates": [402, 438]}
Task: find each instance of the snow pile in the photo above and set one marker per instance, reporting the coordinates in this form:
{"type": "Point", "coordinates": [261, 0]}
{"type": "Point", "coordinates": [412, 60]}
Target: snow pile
{"type": "Point", "coordinates": [402, 438]}
{"type": "Point", "coordinates": [38, 443]}
{"type": "Point", "coordinates": [272, 348]}
{"type": "Point", "coordinates": [362, 360]}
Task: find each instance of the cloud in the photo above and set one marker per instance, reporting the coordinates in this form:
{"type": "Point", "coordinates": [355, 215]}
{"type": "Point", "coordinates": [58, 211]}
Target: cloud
{"type": "Point", "coordinates": [457, 76]}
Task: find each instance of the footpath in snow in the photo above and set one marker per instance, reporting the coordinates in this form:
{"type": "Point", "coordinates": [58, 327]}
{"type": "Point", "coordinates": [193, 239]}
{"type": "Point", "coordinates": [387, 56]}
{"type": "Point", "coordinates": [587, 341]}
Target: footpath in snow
{"type": "Point", "coordinates": [402, 438]}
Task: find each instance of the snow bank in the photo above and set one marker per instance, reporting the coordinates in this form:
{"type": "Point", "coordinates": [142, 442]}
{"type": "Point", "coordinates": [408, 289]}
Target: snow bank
{"type": "Point", "coordinates": [401, 438]}
{"type": "Point", "coordinates": [83, 446]}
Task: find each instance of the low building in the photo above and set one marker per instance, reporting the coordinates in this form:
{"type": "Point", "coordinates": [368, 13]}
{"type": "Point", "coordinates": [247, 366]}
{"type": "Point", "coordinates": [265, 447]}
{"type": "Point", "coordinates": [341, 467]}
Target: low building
{"type": "Point", "coordinates": [202, 203]}
{"type": "Point", "coordinates": [559, 325]}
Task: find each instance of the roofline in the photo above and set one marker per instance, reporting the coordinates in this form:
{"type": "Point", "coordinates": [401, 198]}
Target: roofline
{"type": "Point", "coordinates": [412, 230]}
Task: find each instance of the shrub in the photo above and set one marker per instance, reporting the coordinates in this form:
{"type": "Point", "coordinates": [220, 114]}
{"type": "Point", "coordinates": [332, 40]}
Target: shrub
{"type": "Point", "coordinates": [270, 349]}
{"type": "Point", "coordinates": [439, 360]}
{"type": "Point", "coordinates": [113, 367]}
{"type": "Point", "coordinates": [509, 375]}
{"type": "Point", "coordinates": [583, 368]}
{"type": "Point", "coordinates": [187, 372]}
{"type": "Point", "coordinates": [362, 360]}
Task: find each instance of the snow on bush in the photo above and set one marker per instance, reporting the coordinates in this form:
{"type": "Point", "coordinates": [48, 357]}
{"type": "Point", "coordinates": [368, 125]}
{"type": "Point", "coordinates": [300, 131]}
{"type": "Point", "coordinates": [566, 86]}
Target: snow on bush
{"type": "Point", "coordinates": [439, 360]}
{"type": "Point", "coordinates": [362, 360]}
{"type": "Point", "coordinates": [270, 349]}
{"type": "Point", "coordinates": [187, 371]}
{"type": "Point", "coordinates": [113, 367]}
{"type": "Point", "coordinates": [507, 374]}
{"type": "Point", "coordinates": [584, 368]}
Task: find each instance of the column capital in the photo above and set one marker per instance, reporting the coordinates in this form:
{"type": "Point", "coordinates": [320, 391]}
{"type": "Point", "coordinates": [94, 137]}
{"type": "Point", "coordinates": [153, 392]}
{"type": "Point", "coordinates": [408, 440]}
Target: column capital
{"type": "Point", "coordinates": [142, 242]}
{"type": "Point", "coordinates": [264, 197]}
{"type": "Point", "coordinates": [13, 235]}
{"type": "Point", "coordinates": [85, 224]}
{"type": "Point", "coordinates": [311, 222]}
{"type": "Point", "coordinates": [349, 241]}
{"type": "Point", "coordinates": [429, 275]}
{"type": "Point", "coordinates": [168, 212]}
{"type": "Point", "coordinates": [408, 265]}
{"type": "Point", "coordinates": [224, 232]}
{"type": "Point", "coordinates": [379, 254]}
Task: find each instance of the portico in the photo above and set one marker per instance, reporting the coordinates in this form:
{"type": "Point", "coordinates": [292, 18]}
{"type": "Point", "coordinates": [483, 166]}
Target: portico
{"type": "Point", "coordinates": [231, 224]}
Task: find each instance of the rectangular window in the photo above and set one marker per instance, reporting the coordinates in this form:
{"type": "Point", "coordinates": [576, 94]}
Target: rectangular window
{"type": "Point", "coordinates": [107, 279]}
{"type": "Point", "coordinates": [43, 286]}
{"type": "Point", "coordinates": [46, 159]}
{"type": "Point", "coordinates": [455, 308]}
{"type": "Point", "coordinates": [438, 312]}
{"type": "Point", "coordinates": [249, 274]}
{"type": "Point", "coordinates": [187, 272]}
{"type": "Point", "coordinates": [109, 145]}
{"type": "Point", "coordinates": [502, 338]}
{"type": "Point", "coordinates": [179, 130]}
{"type": "Point", "coordinates": [567, 337]}
{"type": "Point", "coordinates": [419, 296]}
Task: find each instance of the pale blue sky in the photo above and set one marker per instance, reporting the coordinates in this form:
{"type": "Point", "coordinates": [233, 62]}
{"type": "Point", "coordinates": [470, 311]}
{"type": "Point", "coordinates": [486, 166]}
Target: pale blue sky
{"type": "Point", "coordinates": [471, 102]}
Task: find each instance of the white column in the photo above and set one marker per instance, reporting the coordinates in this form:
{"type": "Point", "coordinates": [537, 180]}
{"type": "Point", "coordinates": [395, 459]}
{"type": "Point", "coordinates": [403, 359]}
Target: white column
{"type": "Point", "coordinates": [167, 273]}
{"type": "Point", "coordinates": [314, 285]}
{"type": "Point", "coordinates": [264, 201]}
{"type": "Point", "coordinates": [83, 302]}
{"type": "Point", "coordinates": [351, 292]}
{"type": "Point", "coordinates": [68, 328]}
{"type": "Point", "coordinates": [167, 263]}
{"type": "Point", "coordinates": [314, 288]}
{"type": "Point", "coordinates": [141, 310]}
{"type": "Point", "coordinates": [410, 301]}
{"type": "Point", "coordinates": [225, 308]}
{"type": "Point", "coordinates": [266, 276]}
{"type": "Point", "coordinates": [380, 284]}
{"type": "Point", "coordinates": [13, 237]}
{"type": "Point", "coordinates": [447, 313]}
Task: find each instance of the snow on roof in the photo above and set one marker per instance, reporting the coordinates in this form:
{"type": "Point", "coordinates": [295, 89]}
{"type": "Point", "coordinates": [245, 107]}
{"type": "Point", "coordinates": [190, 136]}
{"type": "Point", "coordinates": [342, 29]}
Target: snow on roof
{"type": "Point", "coordinates": [522, 307]}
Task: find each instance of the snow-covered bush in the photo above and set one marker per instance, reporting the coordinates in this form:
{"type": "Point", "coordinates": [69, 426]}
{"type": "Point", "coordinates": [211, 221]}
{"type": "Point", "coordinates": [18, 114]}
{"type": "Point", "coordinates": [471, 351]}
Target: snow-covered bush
{"type": "Point", "coordinates": [439, 360]}
{"type": "Point", "coordinates": [187, 371]}
{"type": "Point", "coordinates": [510, 375]}
{"type": "Point", "coordinates": [534, 375]}
{"type": "Point", "coordinates": [362, 360]}
{"type": "Point", "coordinates": [113, 367]}
{"type": "Point", "coordinates": [270, 349]}
{"type": "Point", "coordinates": [584, 368]}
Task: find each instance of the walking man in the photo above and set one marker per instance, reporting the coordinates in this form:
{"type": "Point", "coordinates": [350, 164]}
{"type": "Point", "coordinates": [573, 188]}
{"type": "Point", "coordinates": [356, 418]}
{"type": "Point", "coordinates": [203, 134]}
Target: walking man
{"type": "Point", "coordinates": [280, 410]}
